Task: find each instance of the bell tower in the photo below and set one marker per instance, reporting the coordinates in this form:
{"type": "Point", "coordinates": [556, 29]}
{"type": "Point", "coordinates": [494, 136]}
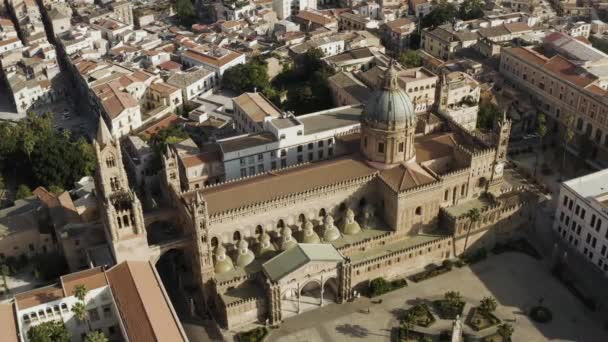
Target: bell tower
{"type": "Point", "coordinates": [121, 210]}
{"type": "Point", "coordinates": [204, 250]}
{"type": "Point", "coordinates": [502, 131]}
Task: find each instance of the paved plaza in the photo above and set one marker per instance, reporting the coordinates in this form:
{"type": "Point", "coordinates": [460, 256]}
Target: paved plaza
{"type": "Point", "coordinates": [515, 280]}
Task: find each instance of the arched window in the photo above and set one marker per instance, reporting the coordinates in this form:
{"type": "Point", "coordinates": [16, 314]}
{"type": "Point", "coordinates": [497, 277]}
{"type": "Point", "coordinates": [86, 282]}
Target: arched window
{"type": "Point", "coordinates": [463, 189]}
{"type": "Point", "coordinates": [236, 236]}
{"type": "Point", "coordinates": [110, 161]}
{"type": "Point", "coordinates": [302, 218]}
{"type": "Point", "coordinates": [125, 220]}
{"type": "Point", "coordinates": [419, 211]}
{"type": "Point", "coordinates": [119, 222]}
{"type": "Point", "coordinates": [446, 195]}
{"type": "Point", "coordinates": [322, 212]}
{"type": "Point", "coordinates": [281, 224]}
{"type": "Point", "coordinates": [259, 230]}
{"type": "Point", "coordinates": [214, 242]}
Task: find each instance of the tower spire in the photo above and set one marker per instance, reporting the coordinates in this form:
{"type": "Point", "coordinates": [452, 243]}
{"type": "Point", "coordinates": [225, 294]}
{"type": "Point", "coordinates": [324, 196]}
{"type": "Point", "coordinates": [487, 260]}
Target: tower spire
{"type": "Point", "coordinates": [103, 134]}
{"type": "Point", "coordinates": [391, 77]}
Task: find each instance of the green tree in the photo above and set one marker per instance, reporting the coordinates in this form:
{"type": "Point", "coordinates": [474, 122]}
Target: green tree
{"type": "Point", "coordinates": [186, 12]}
{"type": "Point", "coordinates": [408, 324]}
{"type": "Point", "coordinates": [442, 13]}
{"type": "Point", "coordinates": [96, 336]}
{"type": "Point", "coordinates": [487, 114]}
{"type": "Point", "coordinates": [567, 137]}
{"type": "Point", "coordinates": [505, 330]}
{"type": "Point", "coordinates": [471, 9]}
{"type": "Point", "coordinates": [541, 129]}
{"type": "Point", "coordinates": [247, 77]}
{"type": "Point", "coordinates": [80, 292]}
{"type": "Point", "coordinates": [474, 215]}
{"type": "Point", "coordinates": [410, 59]}
{"type": "Point", "coordinates": [452, 297]}
{"type": "Point", "coordinates": [52, 331]}
{"type": "Point", "coordinates": [23, 191]}
{"type": "Point", "coordinates": [488, 304]}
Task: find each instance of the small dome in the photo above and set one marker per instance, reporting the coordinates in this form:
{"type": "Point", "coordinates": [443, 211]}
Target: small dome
{"type": "Point", "coordinates": [330, 233]}
{"type": "Point", "coordinates": [222, 262]}
{"type": "Point", "coordinates": [309, 235]}
{"type": "Point", "coordinates": [390, 104]}
{"type": "Point", "coordinates": [287, 241]}
{"type": "Point", "coordinates": [351, 227]}
{"type": "Point", "coordinates": [245, 256]}
{"type": "Point", "coordinates": [266, 247]}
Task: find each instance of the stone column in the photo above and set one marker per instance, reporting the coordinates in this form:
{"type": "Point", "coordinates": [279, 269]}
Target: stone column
{"type": "Point", "coordinates": [274, 302]}
{"type": "Point", "coordinates": [344, 281]}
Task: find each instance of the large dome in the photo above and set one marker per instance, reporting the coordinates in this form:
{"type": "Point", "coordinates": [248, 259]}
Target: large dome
{"type": "Point", "coordinates": [390, 104]}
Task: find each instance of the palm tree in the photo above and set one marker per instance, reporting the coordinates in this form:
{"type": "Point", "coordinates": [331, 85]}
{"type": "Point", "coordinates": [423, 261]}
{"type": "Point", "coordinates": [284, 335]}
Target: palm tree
{"type": "Point", "coordinates": [568, 135]}
{"type": "Point", "coordinates": [96, 336]}
{"type": "Point", "coordinates": [488, 304]}
{"type": "Point", "coordinates": [80, 308]}
{"type": "Point", "coordinates": [408, 324]}
{"type": "Point", "coordinates": [541, 129]}
{"type": "Point", "coordinates": [474, 215]}
{"type": "Point", "coordinates": [80, 292]}
{"type": "Point", "coordinates": [506, 331]}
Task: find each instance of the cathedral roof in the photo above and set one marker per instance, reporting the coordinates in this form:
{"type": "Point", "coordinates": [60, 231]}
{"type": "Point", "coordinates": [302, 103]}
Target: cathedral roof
{"type": "Point", "coordinates": [294, 258]}
{"type": "Point", "coordinates": [276, 184]}
{"type": "Point", "coordinates": [406, 176]}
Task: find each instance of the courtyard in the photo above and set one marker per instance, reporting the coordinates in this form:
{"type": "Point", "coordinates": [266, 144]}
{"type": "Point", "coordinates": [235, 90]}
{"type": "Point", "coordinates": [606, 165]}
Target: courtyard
{"type": "Point", "coordinates": [515, 280]}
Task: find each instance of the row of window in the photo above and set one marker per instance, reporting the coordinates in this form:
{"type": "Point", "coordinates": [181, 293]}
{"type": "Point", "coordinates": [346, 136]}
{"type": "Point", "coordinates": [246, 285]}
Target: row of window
{"type": "Point", "coordinates": [595, 222]}
{"type": "Point", "coordinates": [283, 153]}
{"type": "Point", "coordinates": [251, 170]}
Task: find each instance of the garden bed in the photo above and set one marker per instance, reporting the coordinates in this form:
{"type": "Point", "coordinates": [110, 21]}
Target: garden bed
{"type": "Point", "coordinates": [411, 336]}
{"type": "Point", "coordinates": [495, 338]}
{"type": "Point", "coordinates": [380, 286]}
{"type": "Point", "coordinates": [432, 271]}
{"type": "Point", "coordinates": [255, 335]}
{"type": "Point", "coordinates": [421, 315]}
{"type": "Point", "coordinates": [447, 310]}
{"type": "Point", "coordinates": [519, 245]}
{"type": "Point", "coordinates": [481, 319]}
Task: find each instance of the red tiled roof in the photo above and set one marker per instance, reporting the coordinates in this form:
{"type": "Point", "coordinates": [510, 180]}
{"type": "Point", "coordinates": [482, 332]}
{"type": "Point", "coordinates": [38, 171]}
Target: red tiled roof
{"type": "Point", "coordinates": [568, 71]}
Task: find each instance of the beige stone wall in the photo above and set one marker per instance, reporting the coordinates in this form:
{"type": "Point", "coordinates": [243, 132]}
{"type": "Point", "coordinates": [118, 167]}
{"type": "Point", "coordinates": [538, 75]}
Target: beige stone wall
{"type": "Point", "coordinates": [402, 263]}
{"type": "Point", "coordinates": [267, 217]}
{"type": "Point", "coordinates": [28, 241]}
{"type": "Point", "coordinates": [245, 311]}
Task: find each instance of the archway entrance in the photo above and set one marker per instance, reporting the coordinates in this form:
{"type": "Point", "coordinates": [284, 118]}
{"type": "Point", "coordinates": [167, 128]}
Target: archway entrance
{"type": "Point", "coordinates": [175, 273]}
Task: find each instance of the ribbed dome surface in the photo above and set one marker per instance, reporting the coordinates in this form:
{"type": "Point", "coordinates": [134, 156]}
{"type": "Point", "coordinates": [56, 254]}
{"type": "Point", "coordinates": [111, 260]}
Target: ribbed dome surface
{"type": "Point", "coordinates": [390, 104]}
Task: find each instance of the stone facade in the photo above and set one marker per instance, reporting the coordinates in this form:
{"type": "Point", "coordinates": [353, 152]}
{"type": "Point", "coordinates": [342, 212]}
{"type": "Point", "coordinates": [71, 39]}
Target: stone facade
{"type": "Point", "coordinates": [377, 217]}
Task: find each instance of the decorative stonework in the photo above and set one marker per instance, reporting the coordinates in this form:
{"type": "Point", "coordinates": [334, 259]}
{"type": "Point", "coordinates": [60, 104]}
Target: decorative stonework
{"type": "Point", "coordinates": [308, 234]}
{"type": "Point", "coordinates": [330, 231]}
{"type": "Point", "coordinates": [223, 263]}
{"type": "Point", "coordinates": [244, 256]}
{"type": "Point", "coordinates": [350, 227]}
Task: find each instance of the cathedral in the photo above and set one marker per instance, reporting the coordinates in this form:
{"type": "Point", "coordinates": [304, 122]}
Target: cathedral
{"type": "Point", "coordinates": [269, 246]}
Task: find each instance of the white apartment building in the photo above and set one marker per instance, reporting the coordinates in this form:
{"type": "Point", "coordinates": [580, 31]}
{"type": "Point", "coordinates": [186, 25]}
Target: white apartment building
{"type": "Point", "coordinates": [581, 218]}
{"type": "Point", "coordinates": [111, 296]}
{"type": "Point", "coordinates": [459, 96]}
{"type": "Point", "coordinates": [286, 8]}
{"type": "Point", "coordinates": [288, 140]}
{"type": "Point", "coordinates": [193, 82]}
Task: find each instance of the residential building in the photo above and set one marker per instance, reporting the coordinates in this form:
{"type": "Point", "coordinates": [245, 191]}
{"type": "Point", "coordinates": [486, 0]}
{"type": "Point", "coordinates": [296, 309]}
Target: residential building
{"type": "Point", "coordinates": [125, 302]}
{"type": "Point", "coordinates": [287, 8]}
{"type": "Point", "coordinates": [251, 110]}
{"type": "Point", "coordinates": [581, 217]}
{"type": "Point", "coordinates": [459, 96]}
{"type": "Point", "coordinates": [216, 59]}
{"type": "Point", "coordinates": [193, 82]}
{"type": "Point", "coordinates": [442, 42]}
{"type": "Point", "coordinates": [396, 33]}
{"type": "Point", "coordinates": [567, 92]}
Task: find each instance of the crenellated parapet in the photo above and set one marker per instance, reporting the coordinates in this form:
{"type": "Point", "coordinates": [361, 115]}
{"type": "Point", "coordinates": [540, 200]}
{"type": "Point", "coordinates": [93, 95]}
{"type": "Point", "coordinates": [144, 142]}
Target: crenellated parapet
{"type": "Point", "coordinates": [291, 199]}
{"type": "Point", "coordinates": [445, 241]}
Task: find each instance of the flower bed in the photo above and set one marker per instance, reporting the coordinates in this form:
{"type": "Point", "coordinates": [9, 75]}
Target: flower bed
{"type": "Point", "coordinates": [380, 286]}
{"type": "Point", "coordinates": [432, 271]}
{"type": "Point", "coordinates": [447, 309]}
{"type": "Point", "coordinates": [421, 315]}
{"type": "Point", "coordinates": [256, 335]}
{"type": "Point", "coordinates": [541, 314]}
{"type": "Point", "coordinates": [481, 319]}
